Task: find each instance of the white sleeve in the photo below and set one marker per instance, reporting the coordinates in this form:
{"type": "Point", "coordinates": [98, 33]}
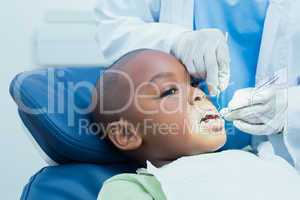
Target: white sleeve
{"type": "Point", "coordinates": [126, 25]}
{"type": "Point", "coordinates": [292, 133]}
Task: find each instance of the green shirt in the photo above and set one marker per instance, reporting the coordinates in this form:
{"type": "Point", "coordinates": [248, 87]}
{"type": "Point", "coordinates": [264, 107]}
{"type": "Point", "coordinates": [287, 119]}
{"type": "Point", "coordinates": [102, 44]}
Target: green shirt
{"type": "Point", "coordinates": [141, 186]}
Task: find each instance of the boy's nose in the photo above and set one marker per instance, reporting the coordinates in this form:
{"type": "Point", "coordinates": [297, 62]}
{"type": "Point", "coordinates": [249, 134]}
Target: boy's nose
{"type": "Point", "coordinates": [195, 96]}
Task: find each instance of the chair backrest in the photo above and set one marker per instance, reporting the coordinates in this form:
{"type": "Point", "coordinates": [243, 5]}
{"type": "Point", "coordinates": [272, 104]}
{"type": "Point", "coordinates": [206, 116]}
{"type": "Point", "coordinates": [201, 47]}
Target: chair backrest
{"type": "Point", "coordinates": [51, 104]}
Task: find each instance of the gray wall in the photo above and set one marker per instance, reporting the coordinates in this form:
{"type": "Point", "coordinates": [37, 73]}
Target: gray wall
{"type": "Point", "coordinates": [18, 20]}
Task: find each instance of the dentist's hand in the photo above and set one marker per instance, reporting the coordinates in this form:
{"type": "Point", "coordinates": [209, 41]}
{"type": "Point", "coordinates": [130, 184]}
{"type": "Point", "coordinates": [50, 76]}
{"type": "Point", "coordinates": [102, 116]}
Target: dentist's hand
{"type": "Point", "coordinates": [205, 54]}
{"type": "Point", "coordinates": [258, 111]}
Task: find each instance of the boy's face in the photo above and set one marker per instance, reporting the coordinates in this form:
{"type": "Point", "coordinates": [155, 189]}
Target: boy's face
{"type": "Point", "coordinates": [172, 117]}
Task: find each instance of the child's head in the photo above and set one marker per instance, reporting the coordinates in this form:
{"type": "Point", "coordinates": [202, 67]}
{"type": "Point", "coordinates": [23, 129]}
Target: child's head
{"type": "Point", "coordinates": [151, 111]}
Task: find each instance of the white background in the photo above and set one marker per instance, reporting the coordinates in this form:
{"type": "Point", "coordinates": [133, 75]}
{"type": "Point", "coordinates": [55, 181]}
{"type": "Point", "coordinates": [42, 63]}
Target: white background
{"type": "Point", "coordinates": [18, 22]}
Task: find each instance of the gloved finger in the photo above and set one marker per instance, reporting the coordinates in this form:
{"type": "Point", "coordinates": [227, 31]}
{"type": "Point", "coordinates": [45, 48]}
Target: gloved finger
{"type": "Point", "coordinates": [210, 61]}
{"type": "Point", "coordinates": [223, 59]}
{"type": "Point", "coordinates": [253, 129]}
{"type": "Point", "coordinates": [273, 126]}
{"type": "Point", "coordinates": [260, 113]}
{"type": "Point", "coordinates": [187, 59]}
{"type": "Point", "coordinates": [199, 64]}
{"type": "Point", "coordinates": [191, 68]}
{"type": "Point", "coordinates": [249, 97]}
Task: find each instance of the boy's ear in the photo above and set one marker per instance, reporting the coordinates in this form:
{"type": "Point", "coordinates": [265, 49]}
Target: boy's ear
{"type": "Point", "coordinates": [124, 135]}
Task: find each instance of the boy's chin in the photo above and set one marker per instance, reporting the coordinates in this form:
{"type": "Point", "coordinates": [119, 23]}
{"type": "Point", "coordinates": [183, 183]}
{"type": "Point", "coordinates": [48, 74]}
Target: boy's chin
{"type": "Point", "coordinates": [213, 141]}
{"type": "Point", "coordinates": [220, 140]}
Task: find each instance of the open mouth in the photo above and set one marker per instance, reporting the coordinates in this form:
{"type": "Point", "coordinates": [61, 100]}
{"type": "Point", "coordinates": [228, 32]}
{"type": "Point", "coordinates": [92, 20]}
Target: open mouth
{"type": "Point", "coordinates": [208, 117]}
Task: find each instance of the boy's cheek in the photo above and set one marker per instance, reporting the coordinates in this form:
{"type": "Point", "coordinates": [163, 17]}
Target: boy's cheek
{"type": "Point", "coordinates": [172, 105]}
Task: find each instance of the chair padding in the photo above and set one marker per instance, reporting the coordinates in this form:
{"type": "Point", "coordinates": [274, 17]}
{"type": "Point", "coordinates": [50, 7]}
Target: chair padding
{"type": "Point", "coordinates": [56, 127]}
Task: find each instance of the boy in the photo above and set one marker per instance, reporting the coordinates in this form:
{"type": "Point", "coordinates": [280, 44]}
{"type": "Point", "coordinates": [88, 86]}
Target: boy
{"type": "Point", "coordinates": [152, 112]}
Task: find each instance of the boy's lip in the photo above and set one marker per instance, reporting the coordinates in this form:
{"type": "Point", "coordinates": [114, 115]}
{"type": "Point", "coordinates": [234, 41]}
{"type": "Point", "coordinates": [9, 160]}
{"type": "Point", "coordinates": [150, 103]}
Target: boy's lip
{"type": "Point", "coordinates": [212, 122]}
{"type": "Point", "coordinates": [210, 116]}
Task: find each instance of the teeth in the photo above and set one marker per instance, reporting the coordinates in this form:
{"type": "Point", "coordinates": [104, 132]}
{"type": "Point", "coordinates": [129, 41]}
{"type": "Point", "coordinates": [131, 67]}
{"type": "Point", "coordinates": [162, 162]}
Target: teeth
{"type": "Point", "coordinates": [209, 116]}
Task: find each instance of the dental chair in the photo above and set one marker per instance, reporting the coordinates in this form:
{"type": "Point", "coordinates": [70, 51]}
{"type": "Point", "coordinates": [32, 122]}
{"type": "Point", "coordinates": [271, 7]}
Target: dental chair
{"type": "Point", "coordinates": [48, 99]}
{"type": "Point", "coordinates": [80, 161]}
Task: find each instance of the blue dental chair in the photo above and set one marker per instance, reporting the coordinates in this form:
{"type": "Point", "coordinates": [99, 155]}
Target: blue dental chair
{"type": "Point", "coordinates": [83, 162]}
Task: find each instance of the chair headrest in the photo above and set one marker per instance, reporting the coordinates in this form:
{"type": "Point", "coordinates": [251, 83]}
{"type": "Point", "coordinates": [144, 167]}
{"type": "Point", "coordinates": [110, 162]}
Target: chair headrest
{"type": "Point", "coordinates": [52, 104]}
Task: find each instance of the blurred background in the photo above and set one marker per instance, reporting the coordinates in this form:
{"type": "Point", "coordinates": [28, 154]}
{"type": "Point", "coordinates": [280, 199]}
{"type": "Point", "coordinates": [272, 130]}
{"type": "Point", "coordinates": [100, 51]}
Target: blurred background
{"type": "Point", "coordinates": [19, 21]}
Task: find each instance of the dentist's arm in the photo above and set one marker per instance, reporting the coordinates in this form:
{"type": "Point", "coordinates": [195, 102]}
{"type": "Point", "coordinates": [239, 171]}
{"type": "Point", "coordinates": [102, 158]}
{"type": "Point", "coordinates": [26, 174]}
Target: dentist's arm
{"type": "Point", "coordinates": [126, 25]}
{"type": "Point", "coordinates": [292, 131]}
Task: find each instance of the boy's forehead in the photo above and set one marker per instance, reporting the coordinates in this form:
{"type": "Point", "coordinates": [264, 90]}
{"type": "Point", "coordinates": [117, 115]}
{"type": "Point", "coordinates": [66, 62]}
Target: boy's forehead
{"type": "Point", "coordinates": [148, 67]}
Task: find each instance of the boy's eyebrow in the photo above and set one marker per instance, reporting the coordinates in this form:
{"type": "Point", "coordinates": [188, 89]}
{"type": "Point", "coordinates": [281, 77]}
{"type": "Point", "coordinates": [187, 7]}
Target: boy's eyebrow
{"type": "Point", "coordinates": [161, 75]}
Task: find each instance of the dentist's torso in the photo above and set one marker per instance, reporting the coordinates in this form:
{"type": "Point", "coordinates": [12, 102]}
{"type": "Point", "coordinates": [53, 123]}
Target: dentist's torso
{"type": "Point", "coordinates": [244, 22]}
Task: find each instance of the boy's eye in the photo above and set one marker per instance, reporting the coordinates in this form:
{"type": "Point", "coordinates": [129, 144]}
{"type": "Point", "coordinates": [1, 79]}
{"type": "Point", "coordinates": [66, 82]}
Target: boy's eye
{"type": "Point", "coordinates": [169, 92]}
